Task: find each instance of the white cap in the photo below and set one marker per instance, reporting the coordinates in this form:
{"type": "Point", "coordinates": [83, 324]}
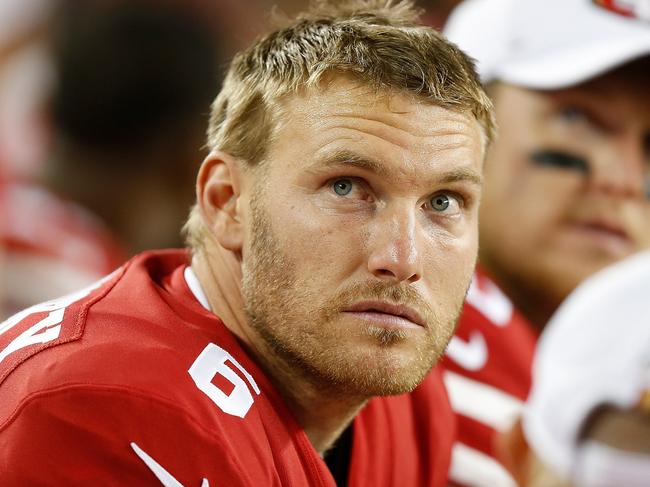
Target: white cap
{"type": "Point", "coordinates": [550, 44]}
{"type": "Point", "coordinates": [594, 351]}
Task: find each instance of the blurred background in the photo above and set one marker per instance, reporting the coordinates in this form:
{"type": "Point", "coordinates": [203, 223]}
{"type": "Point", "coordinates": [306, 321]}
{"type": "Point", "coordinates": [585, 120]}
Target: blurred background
{"type": "Point", "coordinates": [103, 109]}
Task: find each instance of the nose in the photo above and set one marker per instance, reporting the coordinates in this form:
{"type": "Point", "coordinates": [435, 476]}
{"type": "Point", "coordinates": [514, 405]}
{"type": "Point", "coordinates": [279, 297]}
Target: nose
{"type": "Point", "coordinates": [394, 249]}
{"type": "Point", "coordinates": [620, 170]}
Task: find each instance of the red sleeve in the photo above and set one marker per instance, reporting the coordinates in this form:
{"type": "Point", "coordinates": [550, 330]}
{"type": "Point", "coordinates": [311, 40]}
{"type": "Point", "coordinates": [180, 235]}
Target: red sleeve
{"type": "Point", "coordinates": [85, 435]}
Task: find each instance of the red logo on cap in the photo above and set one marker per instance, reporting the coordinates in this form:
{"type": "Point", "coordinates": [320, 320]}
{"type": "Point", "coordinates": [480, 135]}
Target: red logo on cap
{"type": "Point", "coordinates": [639, 9]}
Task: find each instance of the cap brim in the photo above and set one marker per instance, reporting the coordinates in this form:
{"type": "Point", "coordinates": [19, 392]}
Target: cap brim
{"type": "Point", "coordinates": [560, 69]}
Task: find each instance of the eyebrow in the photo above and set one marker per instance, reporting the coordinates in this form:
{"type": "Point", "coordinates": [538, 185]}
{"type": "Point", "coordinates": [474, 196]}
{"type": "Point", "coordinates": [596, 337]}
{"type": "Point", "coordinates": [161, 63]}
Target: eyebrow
{"type": "Point", "coordinates": [343, 157]}
{"type": "Point", "coordinates": [462, 174]}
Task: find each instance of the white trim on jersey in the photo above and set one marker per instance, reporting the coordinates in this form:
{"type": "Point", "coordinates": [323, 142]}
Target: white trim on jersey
{"type": "Point", "coordinates": [482, 402]}
{"type": "Point", "coordinates": [195, 286]}
{"type": "Point", "coordinates": [476, 469]}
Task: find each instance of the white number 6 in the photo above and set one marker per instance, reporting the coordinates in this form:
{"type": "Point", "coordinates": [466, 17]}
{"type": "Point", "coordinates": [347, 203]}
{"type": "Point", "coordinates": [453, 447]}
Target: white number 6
{"type": "Point", "coordinates": [208, 364]}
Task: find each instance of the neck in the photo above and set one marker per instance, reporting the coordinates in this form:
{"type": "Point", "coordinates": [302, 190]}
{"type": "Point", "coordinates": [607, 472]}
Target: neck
{"type": "Point", "coordinates": [321, 411]}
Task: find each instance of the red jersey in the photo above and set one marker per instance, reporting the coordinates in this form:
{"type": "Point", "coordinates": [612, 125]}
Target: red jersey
{"type": "Point", "coordinates": [133, 382]}
{"type": "Point", "coordinates": [488, 375]}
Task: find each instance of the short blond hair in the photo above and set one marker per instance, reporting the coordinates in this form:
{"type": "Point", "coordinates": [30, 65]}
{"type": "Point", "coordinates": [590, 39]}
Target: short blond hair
{"type": "Point", "coordinates": [381, 43]}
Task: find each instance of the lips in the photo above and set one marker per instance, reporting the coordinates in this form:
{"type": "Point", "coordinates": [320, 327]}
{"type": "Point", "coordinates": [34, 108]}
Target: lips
{"type": "Point", "coordinates": [605, 227]}
{"type": "Point", "coordinates": [387, 308]}
{"type": "Point", "coordinates": [606, 233]}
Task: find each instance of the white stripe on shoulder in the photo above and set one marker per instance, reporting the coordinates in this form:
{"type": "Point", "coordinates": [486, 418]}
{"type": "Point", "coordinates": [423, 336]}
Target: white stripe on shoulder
{"type": "Point", "coordinates": [476, 469]}
{"type": "Point", "coordinates": [482, 402]}
{"type": "Point", "coordinates": [195, 286]}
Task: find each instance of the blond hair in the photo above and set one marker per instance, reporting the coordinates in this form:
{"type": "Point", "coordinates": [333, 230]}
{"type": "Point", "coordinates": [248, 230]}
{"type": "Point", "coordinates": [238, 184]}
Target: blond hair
{"type": "Point", "coordinates": [379, 42]}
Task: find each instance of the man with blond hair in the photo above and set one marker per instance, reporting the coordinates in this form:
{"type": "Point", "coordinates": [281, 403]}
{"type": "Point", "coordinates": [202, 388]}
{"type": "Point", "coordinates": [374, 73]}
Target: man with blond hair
{"type": "Point", "coordinates": [332, 243]}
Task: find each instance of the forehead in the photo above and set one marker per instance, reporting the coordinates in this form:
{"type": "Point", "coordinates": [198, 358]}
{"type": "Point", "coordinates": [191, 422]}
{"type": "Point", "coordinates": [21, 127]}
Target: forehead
{"type": "Point", "coordinates": [345, 112]}
{"type": "Point", "coordinates": [343, 98]}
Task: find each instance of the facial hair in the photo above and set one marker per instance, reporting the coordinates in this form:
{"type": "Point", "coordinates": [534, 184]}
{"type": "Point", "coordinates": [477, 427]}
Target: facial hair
{"type": "Point", "coordinates": [301, 329]}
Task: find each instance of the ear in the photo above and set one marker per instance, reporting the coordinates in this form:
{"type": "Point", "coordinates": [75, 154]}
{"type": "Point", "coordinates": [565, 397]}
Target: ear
{"type": "Point", "coordinates": [513, 452]}
{"type": "Point", "coordinates": [218, 189]}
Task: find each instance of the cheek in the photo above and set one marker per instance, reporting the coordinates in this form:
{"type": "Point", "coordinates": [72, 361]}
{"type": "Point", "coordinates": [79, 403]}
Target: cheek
{"type": "Point", "coordinates": [320, 243]}
{"type": "Point", "coordinates": [449, 265]}
{"type": "Point", "coordinates": [639, 216]}
{"type": "Point", "coordinates": [525, 196]}
{"type": "Point", "coordinates": [550, 197]}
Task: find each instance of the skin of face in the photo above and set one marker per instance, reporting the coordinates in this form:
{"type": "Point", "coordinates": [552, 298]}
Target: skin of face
{"type": "Point", "coordinates": [544, 228]}
{"type": "Point", "coordinates": [359, 238]}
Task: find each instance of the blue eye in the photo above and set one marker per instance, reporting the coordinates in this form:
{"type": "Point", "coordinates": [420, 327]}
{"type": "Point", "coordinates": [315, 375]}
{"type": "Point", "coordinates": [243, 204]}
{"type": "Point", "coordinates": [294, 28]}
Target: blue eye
{"type": "Point", "coordinates": [342, 187]}
{"type": "Point", "coordinates": [440, 202]}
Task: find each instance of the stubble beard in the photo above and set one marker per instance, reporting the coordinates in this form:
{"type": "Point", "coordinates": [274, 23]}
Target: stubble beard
{"type": "Point", "coordinates": [305, 342]}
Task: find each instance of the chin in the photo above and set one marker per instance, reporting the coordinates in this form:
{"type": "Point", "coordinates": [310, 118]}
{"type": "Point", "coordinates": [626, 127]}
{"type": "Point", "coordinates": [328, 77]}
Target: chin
{"type": "Point", "coordinates": [379, 373]}
{"type": "Point", "coordinates": [389, 384]}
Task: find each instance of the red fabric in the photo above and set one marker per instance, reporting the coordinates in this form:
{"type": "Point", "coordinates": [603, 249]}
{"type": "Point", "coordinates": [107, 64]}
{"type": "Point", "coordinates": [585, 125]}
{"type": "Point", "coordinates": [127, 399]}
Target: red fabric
{"type": "Point", "coordinates": [404, 440]}
{"type": "Point", "coordinates": [79, 388]}
{"type": "Point", "coordinates": [509, 344]}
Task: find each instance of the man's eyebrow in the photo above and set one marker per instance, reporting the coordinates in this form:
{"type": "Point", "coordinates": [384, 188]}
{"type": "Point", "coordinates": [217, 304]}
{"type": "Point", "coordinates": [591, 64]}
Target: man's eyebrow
{"type": "Point", "coordinates": [462, 174]}
{"type": "Point", "coordinates": [344, 157]}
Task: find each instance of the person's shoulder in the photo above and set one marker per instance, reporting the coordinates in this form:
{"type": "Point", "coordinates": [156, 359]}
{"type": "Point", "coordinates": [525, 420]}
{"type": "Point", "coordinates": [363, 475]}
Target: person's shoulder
{"type": "Point", "coordinates": [123, 436]}
{"type": "Point", "coordinates": [130, 371]}
{"type": "Point", "coordinates": [47, 325]}
{"type": "Point", "coordinates": [487, 307]}
{"type": "Point", "coordinates": [113, 331]}
{"type": "Point", "coordinates": [487, 374]}
{"type": "Point", "coordinates": [493, 343]}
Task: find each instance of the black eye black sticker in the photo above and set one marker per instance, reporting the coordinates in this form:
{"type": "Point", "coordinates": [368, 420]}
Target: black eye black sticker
{"type": "Point", "coordinates": [560, 160]}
